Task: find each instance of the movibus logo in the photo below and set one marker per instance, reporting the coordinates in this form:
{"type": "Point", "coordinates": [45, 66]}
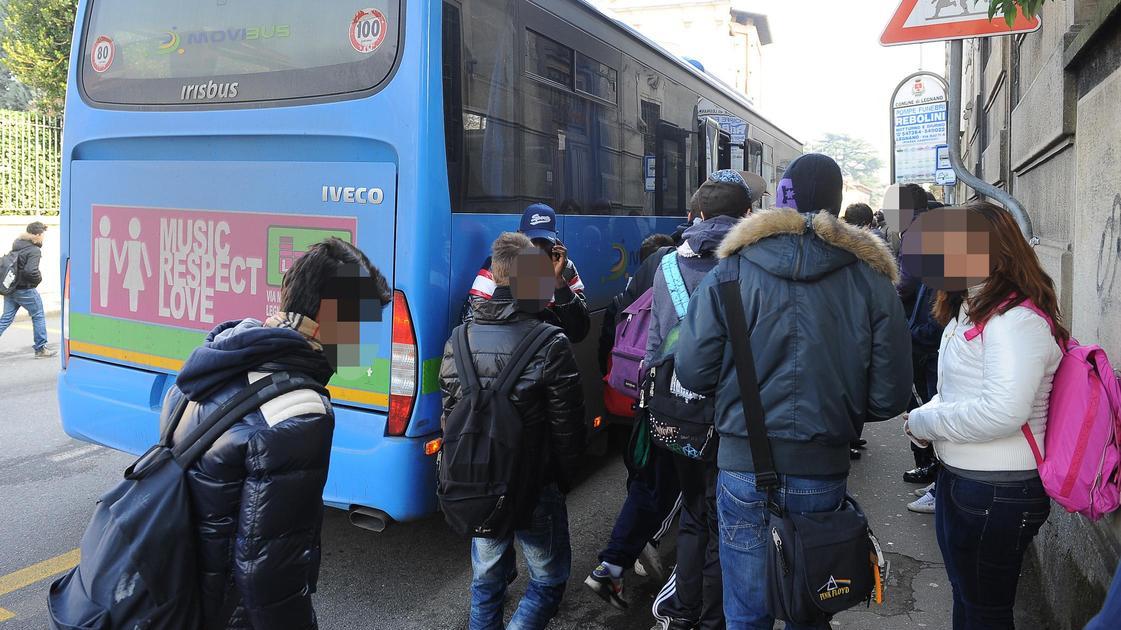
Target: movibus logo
{"type": "Point", "coordinates": [175, 42]}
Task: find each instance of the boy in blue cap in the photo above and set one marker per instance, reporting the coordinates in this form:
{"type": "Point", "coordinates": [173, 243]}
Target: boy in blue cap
{"type": "Point", "coordinates": [568, 310]}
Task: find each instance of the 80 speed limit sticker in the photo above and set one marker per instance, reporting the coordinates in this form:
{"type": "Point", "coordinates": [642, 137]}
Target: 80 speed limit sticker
{"type": "Point", "coordinates": [102, 53]}
{"type": "Point", "coordinates": [367, 30]}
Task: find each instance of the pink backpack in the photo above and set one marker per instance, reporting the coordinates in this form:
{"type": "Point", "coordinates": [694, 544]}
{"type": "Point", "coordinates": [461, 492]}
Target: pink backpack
{"type": "Point", "coordinates": [1082, 469]}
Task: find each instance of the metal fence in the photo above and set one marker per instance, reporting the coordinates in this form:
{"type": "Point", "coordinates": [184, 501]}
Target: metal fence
{"type": "Point", "coordinates": [30, 163]}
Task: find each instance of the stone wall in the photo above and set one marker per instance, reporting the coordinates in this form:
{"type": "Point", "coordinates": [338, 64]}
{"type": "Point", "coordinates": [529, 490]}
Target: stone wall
{"type": "Point", "coordinates": [1046, 123]}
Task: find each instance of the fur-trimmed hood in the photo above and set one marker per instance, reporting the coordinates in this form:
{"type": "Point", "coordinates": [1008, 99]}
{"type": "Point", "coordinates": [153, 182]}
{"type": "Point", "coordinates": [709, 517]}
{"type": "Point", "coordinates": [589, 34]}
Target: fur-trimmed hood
{"type": "Point", "coordinates": [34, 239]}
{"type": "Point", "coordinates": [804, 246]}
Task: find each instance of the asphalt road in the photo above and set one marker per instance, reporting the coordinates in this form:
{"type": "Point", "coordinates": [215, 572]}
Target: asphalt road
{"type": "Point", "coordinates": [414, 576]}
{"type": "Point", "coordinates": [410, 576]}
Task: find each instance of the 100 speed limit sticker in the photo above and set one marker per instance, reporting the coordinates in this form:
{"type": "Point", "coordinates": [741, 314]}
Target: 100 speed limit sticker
{"type": "Point", "coordinates": [367, 30]}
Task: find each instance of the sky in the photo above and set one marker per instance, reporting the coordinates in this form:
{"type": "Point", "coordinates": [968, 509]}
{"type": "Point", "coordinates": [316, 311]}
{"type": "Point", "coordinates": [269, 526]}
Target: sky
{"type": "Point", "coordinates": [825, 71]}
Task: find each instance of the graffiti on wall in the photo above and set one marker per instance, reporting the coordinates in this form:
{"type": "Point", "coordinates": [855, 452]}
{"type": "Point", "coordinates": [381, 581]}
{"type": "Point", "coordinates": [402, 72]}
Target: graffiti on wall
{"type": "Point", "coordinates": [1109, 254]}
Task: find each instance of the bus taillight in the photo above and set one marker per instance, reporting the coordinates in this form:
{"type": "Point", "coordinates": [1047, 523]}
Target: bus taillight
{"type": "Point", "coordinates": [402, 368]}
{"type": "Point", "coordinates": [66, 316]}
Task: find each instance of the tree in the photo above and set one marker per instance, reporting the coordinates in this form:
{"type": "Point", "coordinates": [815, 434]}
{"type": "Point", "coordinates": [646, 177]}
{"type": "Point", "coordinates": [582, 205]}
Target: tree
{"type": "Point", "coordinates": [37, 48]}
{"type": "Point", "coordinates": [859, 161]}
{"type": "Point", "coordinates": [1028, 7]}
{"type": "Point", "coordinates": [13, 94]}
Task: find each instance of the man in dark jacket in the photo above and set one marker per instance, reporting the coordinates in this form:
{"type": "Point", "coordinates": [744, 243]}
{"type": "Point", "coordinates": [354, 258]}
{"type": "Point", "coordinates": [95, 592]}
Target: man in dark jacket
{"type": "Point", "coordinates": [567, 308]}
{"type": "Point", "coordinates": [926, 333]}
{"type": "Point", "coordinates": [257, 492]}
{"type": "Point", "coordinates": [825, 328]}
{"type": "Point", "coordinates": [548, 394]}
{"type": "Point", "coordinates": [28, 249]}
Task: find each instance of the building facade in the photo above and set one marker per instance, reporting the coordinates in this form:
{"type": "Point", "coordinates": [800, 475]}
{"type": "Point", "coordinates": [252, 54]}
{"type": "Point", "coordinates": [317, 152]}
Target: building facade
{"type": "Point", "coordinates": [727, 41]}
{"type": "Point", "coordinates": [1042, 118]}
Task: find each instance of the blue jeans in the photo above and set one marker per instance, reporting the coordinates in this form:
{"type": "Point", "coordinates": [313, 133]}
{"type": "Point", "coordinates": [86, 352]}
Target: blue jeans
{"type": "Point", "coordinates": [30, 300]}
{"type": "Point", "coordinates": [743, 538]}
{"type": "Point", "coordinates": [548, 553]}
{"type": "Point", "coordinates": [983, 530]}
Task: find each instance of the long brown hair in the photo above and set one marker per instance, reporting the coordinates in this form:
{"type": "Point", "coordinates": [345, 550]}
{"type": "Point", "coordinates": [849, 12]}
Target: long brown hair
{"type": "Point", "coordinates": [1016, 276]}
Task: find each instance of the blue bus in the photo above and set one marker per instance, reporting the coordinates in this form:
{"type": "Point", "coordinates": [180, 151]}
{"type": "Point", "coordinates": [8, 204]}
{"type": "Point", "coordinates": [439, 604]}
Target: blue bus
{"type": "Point", "coordinates": [206, 145]}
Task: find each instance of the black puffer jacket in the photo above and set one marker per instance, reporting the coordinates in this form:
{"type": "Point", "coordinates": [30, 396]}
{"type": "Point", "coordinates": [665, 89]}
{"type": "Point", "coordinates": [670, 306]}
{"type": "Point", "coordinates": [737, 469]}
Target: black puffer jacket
{"type": "Point", "coordinates": [257, 492]}
{"type": "Point", "coordinates": [29, 248]}
{"type": "Point", "coordinates": [549, 388]}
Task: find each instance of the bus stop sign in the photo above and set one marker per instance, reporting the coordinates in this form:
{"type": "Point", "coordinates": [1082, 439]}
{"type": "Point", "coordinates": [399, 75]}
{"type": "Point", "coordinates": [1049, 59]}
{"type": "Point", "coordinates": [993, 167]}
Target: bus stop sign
{"type": "Point", "coordinates": [917, 21]}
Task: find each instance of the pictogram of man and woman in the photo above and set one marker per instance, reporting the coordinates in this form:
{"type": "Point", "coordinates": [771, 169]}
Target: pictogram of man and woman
{"type": "Point", "coordinates": [128, 259]}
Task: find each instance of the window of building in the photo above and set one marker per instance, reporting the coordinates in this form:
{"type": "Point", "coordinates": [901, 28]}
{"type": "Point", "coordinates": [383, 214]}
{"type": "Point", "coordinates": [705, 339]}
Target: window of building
{"type": "Point", "coordinates": [596, 79]}
{"type": "Point", "coordinates": [546, 59]}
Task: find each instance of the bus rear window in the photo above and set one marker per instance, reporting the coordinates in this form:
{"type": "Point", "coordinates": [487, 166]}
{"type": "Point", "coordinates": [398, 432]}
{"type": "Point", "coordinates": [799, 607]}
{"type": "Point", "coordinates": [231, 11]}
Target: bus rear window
{"type": "Point", "coordinates": [170, 52]}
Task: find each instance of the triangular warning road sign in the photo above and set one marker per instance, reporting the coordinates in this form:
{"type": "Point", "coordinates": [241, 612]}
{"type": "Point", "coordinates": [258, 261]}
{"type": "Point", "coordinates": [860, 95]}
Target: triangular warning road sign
{"type": "Point", "coordinates": [918, 21]}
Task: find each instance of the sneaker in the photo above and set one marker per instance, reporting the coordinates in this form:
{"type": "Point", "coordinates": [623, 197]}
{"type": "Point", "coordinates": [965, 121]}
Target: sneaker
{"type": "Point", "coordinates": [651, 563]}
{"type": "Point", "coordinates": [45, 353]}
{"type": "Point", "coordinates": [610, 589]}
{"type": "Point", "coordinates": [922, 491]}
{"type": "Point", "coordinates": [921, 474]}
{"type": "Point", "coordinates": [923, 505]}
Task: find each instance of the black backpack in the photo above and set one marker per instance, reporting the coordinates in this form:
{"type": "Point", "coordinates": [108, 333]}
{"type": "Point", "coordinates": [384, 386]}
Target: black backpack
{"type": "Point", "coordinates": [138, 568]}
{"type": "Point", "coordinates": [484, 477]}
{"type": "Point", "coordinates": [9, 272]}
{"type": "Point", "coordinates": [677, 419]}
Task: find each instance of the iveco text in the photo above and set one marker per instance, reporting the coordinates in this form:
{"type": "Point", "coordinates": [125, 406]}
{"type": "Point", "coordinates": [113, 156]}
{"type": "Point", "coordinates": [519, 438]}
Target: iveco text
{"type": "Point", "coordinates": [350, 194]}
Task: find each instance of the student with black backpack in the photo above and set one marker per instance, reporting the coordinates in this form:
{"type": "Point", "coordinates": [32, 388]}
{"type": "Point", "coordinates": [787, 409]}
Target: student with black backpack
{"type": "Point", "coordinates": [218, 525]}
{"type": "Point", "coordinates": [513, 435]}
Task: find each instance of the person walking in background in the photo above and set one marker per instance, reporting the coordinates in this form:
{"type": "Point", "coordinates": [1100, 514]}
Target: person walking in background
{"type": "Point", "coordinates": [861, 215]}
{"type": "Point", "coordinates": [28, 248]}
{"type": "Point", "coordinates": [997, 362]}
{"type": "Point", "coordinates": [693, 597]}
{"type": "Point", "coordinates": [549, 396]}
{"type": "Point", "coordinates": [826, 328]}
{"type": "Point", "coordinates": [259, 489]}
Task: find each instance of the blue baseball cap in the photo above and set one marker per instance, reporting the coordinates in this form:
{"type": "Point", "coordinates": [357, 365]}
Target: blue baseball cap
{"type": "Point", "coordinates": [539, 221]}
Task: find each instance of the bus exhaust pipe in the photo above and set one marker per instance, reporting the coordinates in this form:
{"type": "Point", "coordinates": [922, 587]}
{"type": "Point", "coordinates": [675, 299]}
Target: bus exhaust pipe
{"type": "Point", "coordinates": [369, 518]}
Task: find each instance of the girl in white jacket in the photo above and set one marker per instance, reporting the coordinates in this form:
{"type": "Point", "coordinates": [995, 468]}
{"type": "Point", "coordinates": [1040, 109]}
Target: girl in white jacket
{"type": "Point", "coordinates": [997, 361]}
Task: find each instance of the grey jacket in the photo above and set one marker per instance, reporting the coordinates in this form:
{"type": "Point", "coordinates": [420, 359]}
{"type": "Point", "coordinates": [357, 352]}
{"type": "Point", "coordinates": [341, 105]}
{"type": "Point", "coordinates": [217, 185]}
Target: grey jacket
{"type": "Point", "coordinates": [827, 332]}
{"type": "Point", "coordinates": [695, 258]}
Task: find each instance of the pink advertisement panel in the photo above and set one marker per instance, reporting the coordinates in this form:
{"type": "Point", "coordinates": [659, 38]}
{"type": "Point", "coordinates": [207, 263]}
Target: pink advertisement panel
{"type": "Point", "coordinates": [196, 268]}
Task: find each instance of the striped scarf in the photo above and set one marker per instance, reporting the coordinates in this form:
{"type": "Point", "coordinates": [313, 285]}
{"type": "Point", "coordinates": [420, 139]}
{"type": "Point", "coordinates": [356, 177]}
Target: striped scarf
{"type": "Point", "coordinates": [302, 324]}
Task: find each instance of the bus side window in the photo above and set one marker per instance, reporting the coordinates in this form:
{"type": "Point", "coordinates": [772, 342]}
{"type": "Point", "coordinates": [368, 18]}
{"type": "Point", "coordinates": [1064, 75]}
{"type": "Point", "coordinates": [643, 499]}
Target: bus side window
{"type": "Point", "coordinates": [670, 170]}
{"type": "Point", "coordinates": [754, 156]}
{"type": "Point", "coordinates": [453, 102]}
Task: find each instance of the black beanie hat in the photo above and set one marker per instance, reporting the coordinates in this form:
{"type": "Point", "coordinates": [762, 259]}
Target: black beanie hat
{"type": "Point", "coordinates": [811, 183]}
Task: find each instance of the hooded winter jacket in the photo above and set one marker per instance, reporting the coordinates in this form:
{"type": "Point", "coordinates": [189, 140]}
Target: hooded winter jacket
{"type": "Point", "coordinates": [30, 251]}
{"type": "Point", "coordinates": [548, 394]}
{"type": "Point", "coordinates": [257, 492]}
{"type": "Point", "coordinates": [696, 256]}
{"type": "Point", "coordinates": [827, 333]}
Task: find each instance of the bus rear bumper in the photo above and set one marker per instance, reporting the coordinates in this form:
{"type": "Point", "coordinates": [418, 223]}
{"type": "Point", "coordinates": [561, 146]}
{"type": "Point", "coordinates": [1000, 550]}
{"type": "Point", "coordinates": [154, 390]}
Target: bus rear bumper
{"type": "Point", "coordinates": [119, 407]}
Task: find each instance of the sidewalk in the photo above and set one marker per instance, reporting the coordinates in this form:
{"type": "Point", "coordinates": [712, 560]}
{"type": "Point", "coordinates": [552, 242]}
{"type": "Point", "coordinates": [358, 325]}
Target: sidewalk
{"type": "Point", "coordinates": [919, 593]}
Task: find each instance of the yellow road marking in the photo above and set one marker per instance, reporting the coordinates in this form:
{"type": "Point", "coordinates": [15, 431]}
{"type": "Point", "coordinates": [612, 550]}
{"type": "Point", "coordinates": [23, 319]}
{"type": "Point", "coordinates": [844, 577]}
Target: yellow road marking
{"type": "Point", "coordinates": [6, 614]}
{"type": "Point", "coordinates": [38, 572]}
{"type": "Point", "coordinates": [341, 394]}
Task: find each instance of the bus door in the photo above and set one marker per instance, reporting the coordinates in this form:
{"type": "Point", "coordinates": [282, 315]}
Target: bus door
{"type": "Point", "coordinates": [669, 183]}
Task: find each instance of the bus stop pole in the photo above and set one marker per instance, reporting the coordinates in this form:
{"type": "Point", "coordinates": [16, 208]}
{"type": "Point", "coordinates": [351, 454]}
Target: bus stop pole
{"type": "Point", "coordinates": [954, 140]}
